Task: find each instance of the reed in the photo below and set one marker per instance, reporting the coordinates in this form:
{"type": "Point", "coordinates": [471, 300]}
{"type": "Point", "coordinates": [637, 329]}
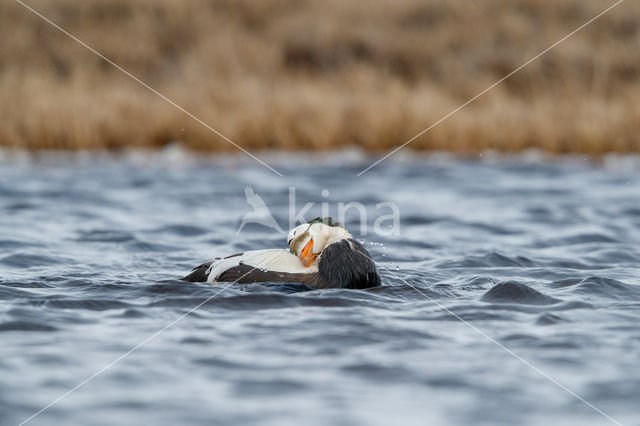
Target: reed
{"type": "Point", "coordinates": [322, 74]}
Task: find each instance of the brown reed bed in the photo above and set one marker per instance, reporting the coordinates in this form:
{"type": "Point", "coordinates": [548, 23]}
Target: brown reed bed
{"type": "Point", "coordinates": [287, 74]}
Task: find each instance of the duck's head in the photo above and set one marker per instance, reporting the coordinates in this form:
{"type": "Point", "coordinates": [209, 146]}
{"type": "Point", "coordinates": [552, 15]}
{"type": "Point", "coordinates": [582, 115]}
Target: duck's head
{"type": "Point", "coordinates": [307, 241]}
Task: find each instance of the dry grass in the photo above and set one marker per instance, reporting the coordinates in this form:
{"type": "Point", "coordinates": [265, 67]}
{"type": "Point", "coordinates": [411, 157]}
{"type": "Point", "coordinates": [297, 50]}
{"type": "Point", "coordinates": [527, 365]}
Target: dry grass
{"type": "Point", "coordinates": [321, 74]}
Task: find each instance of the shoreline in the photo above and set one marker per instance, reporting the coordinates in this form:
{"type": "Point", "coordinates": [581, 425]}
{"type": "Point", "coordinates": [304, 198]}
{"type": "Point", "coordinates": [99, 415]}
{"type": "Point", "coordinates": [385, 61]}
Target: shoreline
{"type": "Point", "coordinates": [176, 155]}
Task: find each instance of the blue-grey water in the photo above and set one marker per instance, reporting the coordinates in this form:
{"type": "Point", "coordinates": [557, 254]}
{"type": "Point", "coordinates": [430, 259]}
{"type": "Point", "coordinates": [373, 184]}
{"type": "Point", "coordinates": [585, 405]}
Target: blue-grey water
{"type": "Point", "coordinates": [495, 259]}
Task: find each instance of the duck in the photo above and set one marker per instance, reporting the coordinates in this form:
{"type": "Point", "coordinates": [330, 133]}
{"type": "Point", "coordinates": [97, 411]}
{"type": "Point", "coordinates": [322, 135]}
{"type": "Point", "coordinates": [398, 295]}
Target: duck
{"type": "Point", "coordinates": [321, 254]}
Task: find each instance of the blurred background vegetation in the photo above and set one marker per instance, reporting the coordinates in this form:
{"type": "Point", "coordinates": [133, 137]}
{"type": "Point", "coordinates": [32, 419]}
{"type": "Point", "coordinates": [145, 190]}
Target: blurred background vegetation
{"type": "Point", "coordinates": [288, 74]}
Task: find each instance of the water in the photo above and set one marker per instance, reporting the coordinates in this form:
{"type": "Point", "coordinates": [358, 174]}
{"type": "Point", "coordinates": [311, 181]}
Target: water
{"type": "Point", "coordinates": [541, 256]}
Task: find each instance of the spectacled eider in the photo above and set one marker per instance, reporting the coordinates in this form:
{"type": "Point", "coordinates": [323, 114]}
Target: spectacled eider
{"type": "Point", "coordinates": [322, 254]}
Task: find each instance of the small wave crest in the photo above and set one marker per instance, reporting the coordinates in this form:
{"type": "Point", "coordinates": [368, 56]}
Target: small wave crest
{"type": "Point", "coordinates": [516, 292]}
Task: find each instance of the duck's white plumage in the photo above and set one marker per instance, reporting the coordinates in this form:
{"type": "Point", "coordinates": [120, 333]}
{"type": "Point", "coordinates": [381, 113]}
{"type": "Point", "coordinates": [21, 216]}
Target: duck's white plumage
{"type": "Point", "coordinates": [277, 260]}
{"type": "Point", "coordinates": [321, 234]}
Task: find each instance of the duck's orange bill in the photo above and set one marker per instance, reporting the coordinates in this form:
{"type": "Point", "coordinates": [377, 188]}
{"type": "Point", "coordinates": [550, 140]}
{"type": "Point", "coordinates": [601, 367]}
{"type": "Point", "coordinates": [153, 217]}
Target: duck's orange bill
{"type": "Point", "coordinates": [307, 255]}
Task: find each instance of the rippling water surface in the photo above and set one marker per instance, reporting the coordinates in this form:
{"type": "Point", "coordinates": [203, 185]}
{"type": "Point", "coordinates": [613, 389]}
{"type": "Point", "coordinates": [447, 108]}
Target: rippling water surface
{"type": "Point", "coordinates": [535, 256]}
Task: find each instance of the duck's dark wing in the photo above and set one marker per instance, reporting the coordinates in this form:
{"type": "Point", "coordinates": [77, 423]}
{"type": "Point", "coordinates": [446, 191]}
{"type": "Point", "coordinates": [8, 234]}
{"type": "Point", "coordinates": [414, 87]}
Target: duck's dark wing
{"type": "Point", "coordinates": [198, 274]}
{"type": "Point", "coordinates": [245, 274]}
{"type": "Point", "coordinates": [347, 264]}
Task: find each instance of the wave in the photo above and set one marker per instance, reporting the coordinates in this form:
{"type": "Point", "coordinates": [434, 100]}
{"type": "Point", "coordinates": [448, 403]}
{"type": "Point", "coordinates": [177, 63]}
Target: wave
{"type": "Point", "coordinates": [548, 318]}
{"type": "Point", "coordinates": [25, 326]}
{"type": "Point", "coordinates": [24, 260]}
{"type": "Point", "coordinates": [516, 292]}
{"type": "Point", "coordinates": [585, 238]}
{"type": "Point", "coordinates": [493, 259]}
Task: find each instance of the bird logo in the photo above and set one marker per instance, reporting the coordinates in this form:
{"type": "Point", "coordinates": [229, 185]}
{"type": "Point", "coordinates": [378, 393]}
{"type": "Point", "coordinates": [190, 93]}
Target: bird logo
{"type": "Point", "coordinates": [260, 214]}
